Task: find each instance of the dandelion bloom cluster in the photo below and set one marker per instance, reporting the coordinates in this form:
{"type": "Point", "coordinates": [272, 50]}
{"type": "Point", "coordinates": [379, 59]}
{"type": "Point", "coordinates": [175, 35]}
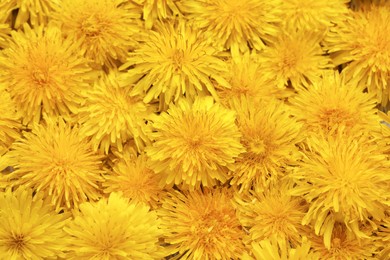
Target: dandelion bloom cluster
{"type": "Point", "coordinates": [195, 129]}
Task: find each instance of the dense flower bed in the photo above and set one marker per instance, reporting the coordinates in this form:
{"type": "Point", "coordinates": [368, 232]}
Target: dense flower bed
{"type": "Point", "coordinates": [194, 129]}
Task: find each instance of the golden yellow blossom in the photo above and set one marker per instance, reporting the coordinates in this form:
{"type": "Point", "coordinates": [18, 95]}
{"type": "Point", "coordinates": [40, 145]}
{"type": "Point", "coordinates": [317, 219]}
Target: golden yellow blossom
{"type": "Point", "coordinates": [344, 179]}
{"type": "Point", "coordinates": [44, 73]}
{"type": "Point", "coordinates": [106, 28]}
{"type": "Point", "coordinates": [202, 225]}
{"type": "Point", "coordinates": [175, 61]}
{"type": "Point", "coordinates": [269, 135]}
{"type": "Point", "coordinates": [132, 176]}
{"type": "Point", "coordinates": [272, 212]}
{"type": "Point", "coordinates": [56, 161]}
{"type": "Point", "coordinates": [235, 25]}
{"type": "Point", "coordinates": [111, 116]}
{"type": "Point", "coordinates": [363, 44]}
{"type": "Point", "coordinates": [332, 102]}
{"type": "Point", "coordinates": [295, 58]}
{"type": "Point", "coordinates": [29, 226]}
{"type": "Point", "coordinates": [114, 228]}
{"type": "Point", "coordinates": [195, 143]}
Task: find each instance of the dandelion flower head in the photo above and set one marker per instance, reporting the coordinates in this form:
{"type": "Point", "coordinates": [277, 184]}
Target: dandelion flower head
{"type": "Point", "coordinates": [269, 135]}
{"type": "Point", "coordinates": [175, 61]}
{"type": "Point", "coordinates": [363, 44]}
{"type": "Point", "coordinates": [111, 116]}
{"type": "Point", "coordinates": [29, 226]}
{"type": "Point", "coordinates": [202, 225]}
{"type": "Point", "coordinates": [234, 25]}
{"type": "Point", "coordinates": [107, 28]}
{"type": "Point", "coordinates": [44, 73]}
{"type": "Point", "coordinates": [195, 143]}
{"type": "Point", "coordinates": [348, 183]}
{"type": "Point", "coordinates": [114, 228]}
{"type": "Point", "coordinates": [56, 161]}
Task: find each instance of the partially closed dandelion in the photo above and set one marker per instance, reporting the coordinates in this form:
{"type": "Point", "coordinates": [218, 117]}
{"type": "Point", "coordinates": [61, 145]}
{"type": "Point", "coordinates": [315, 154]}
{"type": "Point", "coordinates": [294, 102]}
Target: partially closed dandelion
{"type": "Point", "coordinates": [363, 44]}
{"type": "Point", "coordinates": [55, 160]}
{"type": "Point", "coordinates": [195, 143]}
{"type": "Point", "coordinates": [106, 28]}
{"type": "Point", "coordinates": [202, 225]}
{"type": "Point", "coordinates": [175, 61]}
{"type": "Point", "coordinates": [29, 226]}
{"type": "Point", "coordinates": [111, 116]}
{"type": "Point", "coordinates": [344, 179]}
{"type": "Point", "coordinates": [44, 73]}
{"type": "Point", "coordinates": [114, 228]}
{"type": "Point", "coordinates": [235, 25]}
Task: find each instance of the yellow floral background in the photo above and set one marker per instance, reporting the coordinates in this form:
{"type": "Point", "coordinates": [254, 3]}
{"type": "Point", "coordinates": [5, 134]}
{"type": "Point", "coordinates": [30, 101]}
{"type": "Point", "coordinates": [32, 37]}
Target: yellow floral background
{"type": "Point", "coordinates": [194, 129]}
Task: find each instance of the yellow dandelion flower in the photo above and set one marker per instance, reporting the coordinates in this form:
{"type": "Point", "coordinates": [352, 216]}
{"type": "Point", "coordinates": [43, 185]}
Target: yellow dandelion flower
{"type": "Point", "coordinates": [173, 62]}
{"type": "Point", "coordinates": [332, 102]}
{"type": "Point", "coordinates": [113, 228]}
{"type": "Point", "coordinates": [132, 176]}
{"type": "Point", "coordinates": [246, 78]}
{"type": "Point", "coordinates": [29, 227]}
{"type": "Point", "coordinates": [269, 135]}
{"type": "Point", "coordinates": [202, 225]}
{"type": "Point", "coordinates": [56, 161]}
{"type": "Point", "coordinates": [344, 246]}
{"type": "Point", "coordinates": [313, 15]}
{"type": "Point", "coordinates": [106, 28]}
{"type": "Point", "coordinates": [272, 213]}
{"type": "Point", "coordinates": [344, 179]}
{"type": "Point", "coordinates": [9, 125]}
{"type": "Point", "coordinates": [294, 58]}
{"type": "Point", "coordinates": [194, 143]}
{"type": "Point", "coordinates": [154, 10]}
{"type": "Point", "coordinates": [234, 25]}
{"type": "Point", "coordinates": [272, 249]}
{"type": "Point", "coordinates": [363, 42]}
{"type": "Point", "coordinates": [111, 116]}
{"type": "Point", "coordinates": [44, 73]}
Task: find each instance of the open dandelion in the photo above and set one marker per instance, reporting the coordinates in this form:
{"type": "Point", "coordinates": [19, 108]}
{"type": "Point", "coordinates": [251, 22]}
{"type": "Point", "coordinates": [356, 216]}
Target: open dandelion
{"type": "Point", "coordinates": [175, 61]}
{"type": "Point", "coordinates": [111, 116]}
{"type": "Point", "coordinates": [294, 58]}
{"type": "Point", "coordinates": [269, 135]}
{"type": "Point", "coordinates": [313, 15]}
{"type": "Point", "coordinates": [107, 29]}
{"type": "Point", "coordinates": [247, 78]}
{"type": "Point", "coordinates": [272, 212]}
{"type": "Point", "coordinates": [195, 143]}
{"type": "Point", "coordinates": [331, 103]}
{"type": "Point", "coordinates": [344, 179]}
{"type": "Point", "coordinates": [44, 73]}
{"type": "Point", "coordinates": [56, 161]}
{"type": "Point", "coordinates": [114, 228]}
{"type": "Point", "coordinates": [363, 43]}
{"type": "Point", "coordinates": [202, 225]}
{"type": "Point", "coordinates": [132, 176]}
{"type": "Point", "coordinates": [235, 25]}
{"type": "Point", "coordinates": [29, 226]}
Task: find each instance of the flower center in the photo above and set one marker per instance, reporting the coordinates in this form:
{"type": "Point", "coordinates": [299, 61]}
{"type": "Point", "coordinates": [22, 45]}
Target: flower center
{"type": "Point", "coordinates": [18, 242]}
{"type": "Point", "coordinates": [92, 26]}
{"type": "Point", "coordinates": [335, 116]}
{"type": "Point", "coordinates": [40, 78]}
{"type": "Point", "coordinates": [178, 59]}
